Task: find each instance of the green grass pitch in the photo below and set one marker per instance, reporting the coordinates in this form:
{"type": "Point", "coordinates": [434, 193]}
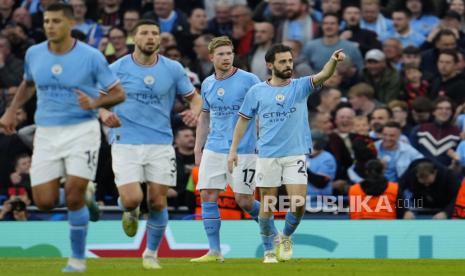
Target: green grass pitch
{"type": "Point", "coordinates": [313, 267]}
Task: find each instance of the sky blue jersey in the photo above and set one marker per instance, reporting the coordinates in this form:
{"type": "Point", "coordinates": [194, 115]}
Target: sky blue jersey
{"type": "Point", "coordinates": [282, 116]}
{"type": "Point", "coordinates": [151, 90]}
{"type": "Point", "coordinates": [223, 99]}
{"type": "Point", "coordinates": [58, 76]}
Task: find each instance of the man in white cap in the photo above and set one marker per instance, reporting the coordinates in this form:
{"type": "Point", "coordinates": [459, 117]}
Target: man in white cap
{"type": "Point", "coordinates": [384, 78]}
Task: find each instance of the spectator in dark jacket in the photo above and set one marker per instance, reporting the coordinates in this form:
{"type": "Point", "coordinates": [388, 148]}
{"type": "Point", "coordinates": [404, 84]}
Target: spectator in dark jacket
{"type": "Point", "coordinates": [429, 185]}
{"type": "Point", "coordinates": [445, 39]}
{"type": "Point", "coordinates": [365, 39]}
{"type": "Point", "coordinates": [11, 68]}
{"type": "Point", "coordinates": [221, 24]}
{"type": "Point", "coordinates": [450, 83]}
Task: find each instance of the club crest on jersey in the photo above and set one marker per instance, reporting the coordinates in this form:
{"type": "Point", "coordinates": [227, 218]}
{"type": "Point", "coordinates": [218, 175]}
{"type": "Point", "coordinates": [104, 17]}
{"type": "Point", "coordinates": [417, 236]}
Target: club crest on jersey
{"type": "Point", "coordinates": [220, 92]}
{"type": "Point", "coordinates": [57, 69]}
{"type": "Point", "coordinates": [280, 100]}
{"type": "Point", "coordinates": [149, 80]}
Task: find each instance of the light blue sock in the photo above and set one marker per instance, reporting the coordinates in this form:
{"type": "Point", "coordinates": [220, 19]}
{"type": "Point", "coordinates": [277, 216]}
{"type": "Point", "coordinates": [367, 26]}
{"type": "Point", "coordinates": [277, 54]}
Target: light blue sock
{"type": "Point", "coordinates": [156, 226]}
{"type": "Point", "coordinates": [255, 210]}
{"type": "Point", "coordinates": [291, 223]}
{"type": "Point", "coordinates": [78, 221]}
{"type": "Point", "coordinates": [268, 232]}
{"type": "Point", "coordinates": [212, 223]}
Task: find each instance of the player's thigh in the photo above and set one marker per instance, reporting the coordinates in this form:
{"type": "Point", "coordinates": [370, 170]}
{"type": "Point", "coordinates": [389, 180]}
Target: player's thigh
{"type": "Point", "coordinates": [213, 171]}
{"type": "Point", "coordinates": [127, 164]}
{"type": "Point", "coordinates": [82, 149]}
{"type": "Point", "coordinates": [160, 165]}
{"type": "Point", "coordinates": [47, 165]}
{"type": "Point", "coordinates": [244, 174]}
{"type": "Point", "coordinates": [156, 195]}
{"type": "Point", "coordinates": [294, 170]}
{"type": "Point", "coordinates": [268, 173]}
{"type": "Point", "coordinates": [46, 194]}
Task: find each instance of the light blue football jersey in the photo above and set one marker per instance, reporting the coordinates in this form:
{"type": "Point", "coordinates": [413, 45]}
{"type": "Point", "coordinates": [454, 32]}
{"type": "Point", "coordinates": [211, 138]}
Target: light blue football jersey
{"type": "Point", "coordinates": [150, 93]}
{"type": "Point", "coordinates": [58, 76]}
{"type": "Point", "coordinates": [282, 116]}
{"type": "Point", "coordinates": [223, 99]}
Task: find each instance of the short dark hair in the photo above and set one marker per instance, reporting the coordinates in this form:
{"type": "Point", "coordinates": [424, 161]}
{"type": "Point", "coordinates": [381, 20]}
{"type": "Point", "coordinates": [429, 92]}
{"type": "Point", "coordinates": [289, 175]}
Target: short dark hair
{"type": "Point", "coordinates": [330, 14]}
{"type": "Point", "coordinates": [65, 8]}
{"type": "Point", "coordinates": [404, 11]}
{"type": "Point", "coordinates": [422, 104]}
{"type": "Point", "coordinates": [442, 99]}
{"type": "Point", "coordinates": [125, 33]}
{"type": "Point", "coordinates": [270, 55]}
{"type": "Point", "coordinates": [451, 52]}
{"type": "Point", "coordinates": [145, 22]}
{"type": "Point", "coordinates": [425, 168]}
{"type": "Point", "coordinates": [411, 50]}
{"type": "Point", "coordinates": [444, 32]}
{"type": "Point", "coordinates": [393, 124]}
{"type": "Point", "coordinates": [387, 109]}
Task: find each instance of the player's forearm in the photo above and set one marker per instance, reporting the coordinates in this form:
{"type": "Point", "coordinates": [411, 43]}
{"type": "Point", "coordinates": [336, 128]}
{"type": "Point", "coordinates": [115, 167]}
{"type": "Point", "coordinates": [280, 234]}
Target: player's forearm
{"type": "Point", "coordinates": [239, 131]}
{"type": "Point", "coordinates": [24, 92]}
{"type": "Point", "coordinates": [115, 96]}
{"type": "Point", "coordinates": [201, 132]}
{"type": "Point", "coordinates": [327, 71]}
{"type": "Point", "coordinates": [196, 104]}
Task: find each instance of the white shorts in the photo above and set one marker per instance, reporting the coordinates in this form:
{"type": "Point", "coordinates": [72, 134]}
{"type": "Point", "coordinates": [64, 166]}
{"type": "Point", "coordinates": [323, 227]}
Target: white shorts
{"type": "Point", "coordinates": [273, 172]}
{"type": "Point", "coordinates": [65, 150]}
{"type": "Point", "coordinates": [214, 174]}
{"type": "Point", "coordinates": [144, 163]}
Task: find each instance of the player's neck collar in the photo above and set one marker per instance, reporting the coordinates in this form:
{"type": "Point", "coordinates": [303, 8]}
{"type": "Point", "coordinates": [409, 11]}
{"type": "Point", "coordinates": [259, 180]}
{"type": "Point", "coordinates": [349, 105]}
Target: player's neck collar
{"type": "Point", "coordinates": [268, 81]}
{"type": "Point", "coordinates": [64, 53]}
{"type": "Point", "coordinates": [145, 65]}
{"type": "Point", "coordinates": [227, 76]}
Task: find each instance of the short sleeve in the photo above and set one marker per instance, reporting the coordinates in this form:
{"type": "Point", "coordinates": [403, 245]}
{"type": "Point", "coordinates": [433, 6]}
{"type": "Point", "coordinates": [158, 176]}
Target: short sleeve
{"type": "Point", "coordinates": [205, 104]}
{"type": "Point", "coordinates": [250, 105]}
{"type": "Point", "coordinates": [105, 77]}
{"type": "Point", "coordinates": [305, 86]}
{"type": "Point", "coordinates": [27, 69]}
{"type": "Point", "coordinates": [184, 85]}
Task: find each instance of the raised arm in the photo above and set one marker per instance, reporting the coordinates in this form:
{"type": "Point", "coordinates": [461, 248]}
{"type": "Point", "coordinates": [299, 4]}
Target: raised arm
{"type": "Point", "coordinates": [329, 68]}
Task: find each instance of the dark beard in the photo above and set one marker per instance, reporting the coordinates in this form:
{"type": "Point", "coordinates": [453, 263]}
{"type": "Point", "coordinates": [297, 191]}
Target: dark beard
{"type": "Point", "coordinates": [147, 53]}
{"type": "Point", "coordinates": [283, 74]}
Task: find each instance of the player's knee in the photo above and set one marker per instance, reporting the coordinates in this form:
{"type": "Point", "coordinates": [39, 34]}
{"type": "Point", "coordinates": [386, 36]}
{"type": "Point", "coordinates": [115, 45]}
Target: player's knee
{"type": "Point", "coordinates": [209, 195]}
{"type": "Point", "coordinates": [131, 202]}
{"type": "Point", "coordinates": [74, 201]}
{"type": "Point", "coordinates": [156, 205]}
{"type": "Point", "coordinates": [244, 201]}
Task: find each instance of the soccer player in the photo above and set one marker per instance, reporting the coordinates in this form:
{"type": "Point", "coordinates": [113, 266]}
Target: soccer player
{"type": "Point", "coordinates": [222, 94]}
{"type": "Point", "coordinates": [142, 148]}
{"type": "Point", "coordinates": [281, 107]}
{"type": "Point", "coordinates": [66, 74]}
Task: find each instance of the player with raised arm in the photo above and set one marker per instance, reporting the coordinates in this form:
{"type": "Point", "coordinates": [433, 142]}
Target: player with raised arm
{"type": "Point", "coordinates": [65, 73]}
{"type": "Point", "coordinates": [142, 137]}
{"type": "Point", "coordinates": [281, 107]}
{"type": "Point", "coordinates": [222, 94]}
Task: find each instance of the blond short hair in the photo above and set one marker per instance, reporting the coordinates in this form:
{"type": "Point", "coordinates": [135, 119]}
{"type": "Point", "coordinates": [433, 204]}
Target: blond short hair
{"type": "Point", "coordinates": [219, 42]}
